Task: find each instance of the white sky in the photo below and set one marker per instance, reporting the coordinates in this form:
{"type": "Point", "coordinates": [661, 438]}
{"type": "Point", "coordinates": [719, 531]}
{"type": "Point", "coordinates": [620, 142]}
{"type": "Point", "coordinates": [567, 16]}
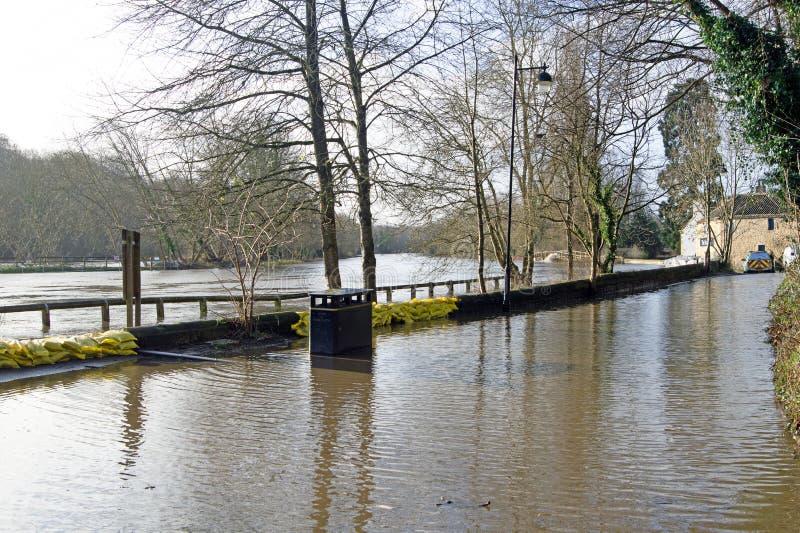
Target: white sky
{"type": "Point", "coordinates": [57, 56]}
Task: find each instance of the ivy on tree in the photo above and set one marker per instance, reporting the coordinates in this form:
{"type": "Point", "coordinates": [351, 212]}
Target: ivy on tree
{"type": "Point", "coordinates": [759, 69]}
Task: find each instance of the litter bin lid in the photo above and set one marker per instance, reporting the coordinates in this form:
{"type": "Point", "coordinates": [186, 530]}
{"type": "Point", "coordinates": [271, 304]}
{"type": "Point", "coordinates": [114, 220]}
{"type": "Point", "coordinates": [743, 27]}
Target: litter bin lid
{"type": "Point", "coordinates": [339, 297]}
{"type": "Point", "coordinates": [340, 292]}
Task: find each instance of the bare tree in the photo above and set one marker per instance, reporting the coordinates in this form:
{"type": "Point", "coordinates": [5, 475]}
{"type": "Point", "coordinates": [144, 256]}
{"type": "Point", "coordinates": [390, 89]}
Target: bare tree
{"type": "Point", "coordinates": [248, 220]}
{"type": "Point", "coordinates": [739, 168]}
{"type": "Point", "coordinates": [253, 80]}
{"type": "Point", "coordinates": [599, 138]}
{"type": "Point", "coordinates": [459, 153]}
{"type": "Point", "coordinates": [382, 44]}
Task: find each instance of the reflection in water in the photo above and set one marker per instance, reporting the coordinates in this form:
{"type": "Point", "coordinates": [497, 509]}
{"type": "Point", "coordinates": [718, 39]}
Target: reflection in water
{"type": "Point", "coordinates": [652, 412]}
{"type": "Point", "coordinates": [342, 405]}
{"type": "Point", "coordinates": [133, 427]}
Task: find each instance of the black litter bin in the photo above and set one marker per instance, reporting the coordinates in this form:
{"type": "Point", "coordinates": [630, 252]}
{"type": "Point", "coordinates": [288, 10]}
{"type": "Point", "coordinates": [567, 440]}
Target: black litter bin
{"type": "Point", "coordinates": [341, 322]}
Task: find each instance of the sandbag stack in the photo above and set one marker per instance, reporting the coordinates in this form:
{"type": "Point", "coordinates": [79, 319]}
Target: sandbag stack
{"type": "Point", "coordinates": [400, 312]}
{"type": "Point", "coordinates": [49, 350]}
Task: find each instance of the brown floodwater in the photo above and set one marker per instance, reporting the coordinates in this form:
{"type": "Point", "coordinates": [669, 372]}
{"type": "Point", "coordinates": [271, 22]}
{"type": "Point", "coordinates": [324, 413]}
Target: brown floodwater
{"type": "Point", "coordinates": [651, 412]}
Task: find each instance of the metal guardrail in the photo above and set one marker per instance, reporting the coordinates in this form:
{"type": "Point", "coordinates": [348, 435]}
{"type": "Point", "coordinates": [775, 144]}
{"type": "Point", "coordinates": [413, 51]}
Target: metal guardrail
{"type": "Point", "coordinates": [105, 303]}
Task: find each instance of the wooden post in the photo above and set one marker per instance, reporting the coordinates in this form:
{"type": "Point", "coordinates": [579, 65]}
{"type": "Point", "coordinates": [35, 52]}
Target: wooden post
{"type": "Point", "coordinates": [127, 276]}
{"type": "Point", "coordinates": [413, 291]}
{"type": "Point", "coordinates": [131, 277]}
{"type": "Point", "coordinates": [105, 317]}
{"type": "Point", "coordinates": [496, 284]}
{"type": "Point", "coordinates": [137, 278]}
{"type": "Point", "coordinates": [160, 310]}
{"type": "Point", "coordinates": [203, 308]}
{"type": "Point", "coordinates": [450, 289]}
{"type": "Point", "coordinates": [468, 287]}
{"type": "Point", "coordinates": [278, 303]}
{"type": "Point", "coordinates": [430, 290]}
{"type": "Point", "coordinates": [45, 319]}
{"type": "Point", "coordinates": [388, 295]}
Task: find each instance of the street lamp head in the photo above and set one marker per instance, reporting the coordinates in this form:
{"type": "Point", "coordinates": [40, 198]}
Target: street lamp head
{"type": "Point", "coordinates": [544, 81]}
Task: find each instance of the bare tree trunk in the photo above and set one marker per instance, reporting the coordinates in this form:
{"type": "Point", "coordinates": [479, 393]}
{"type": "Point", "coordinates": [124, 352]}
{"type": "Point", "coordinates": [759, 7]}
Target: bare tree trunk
{"type": "Point", "coordinates": [570, 253]}
{"type": "Point", "coordinates": [570, 257]}
{"type": "Point", "coordinates": [528, 260]}
{"type": "Point", "coordinates": [708, 225]}
{"type": "Point", "coordinates": [327, 199]}
{"type": "Point", "coordinates": [476, 174]}
{"type": "Point", "coordinates": [596, 245]}
{"type": "Point", "coordinates": [481, 238]}
{"type": "Point", "coordinates": [363, 184]}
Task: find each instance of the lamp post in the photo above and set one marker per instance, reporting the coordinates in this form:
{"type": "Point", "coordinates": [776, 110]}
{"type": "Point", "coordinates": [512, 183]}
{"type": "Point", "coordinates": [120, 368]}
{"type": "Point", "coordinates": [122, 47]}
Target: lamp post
{"type": "Point", "coordinates": [543, 82]}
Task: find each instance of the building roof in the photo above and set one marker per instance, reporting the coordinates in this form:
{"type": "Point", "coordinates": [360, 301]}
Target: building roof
{"type": "Point", "coordinates": [754, 205]}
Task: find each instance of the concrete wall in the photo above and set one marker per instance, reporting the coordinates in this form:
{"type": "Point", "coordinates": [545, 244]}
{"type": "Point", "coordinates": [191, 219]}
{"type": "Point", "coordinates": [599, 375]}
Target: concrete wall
{"type": "Point", "coordinates": [572, 292]}
{"type": "Point", "coordinates": [170, 335]}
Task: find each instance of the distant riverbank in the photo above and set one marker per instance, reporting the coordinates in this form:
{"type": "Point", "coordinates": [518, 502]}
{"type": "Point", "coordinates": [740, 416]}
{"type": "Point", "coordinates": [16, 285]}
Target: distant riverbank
{"type": "Point", "coordinates": [107, 265]}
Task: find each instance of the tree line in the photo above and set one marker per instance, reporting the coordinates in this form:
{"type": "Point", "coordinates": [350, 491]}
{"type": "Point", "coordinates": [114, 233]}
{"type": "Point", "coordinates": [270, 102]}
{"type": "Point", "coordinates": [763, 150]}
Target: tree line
{"type": "Point", "coordinates": [73, 203]}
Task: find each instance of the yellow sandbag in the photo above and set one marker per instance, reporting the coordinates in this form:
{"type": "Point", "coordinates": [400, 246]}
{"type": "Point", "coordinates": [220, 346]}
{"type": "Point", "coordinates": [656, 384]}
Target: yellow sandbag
{"type": "Point", "coordinates": [71, 344]}
{"type": "Point", "coordinates": [8, 363]}
{"type": "Point", "coordinates": [37, 349]}
{"type": "Point", "coordinates": [54, 344]}
{"type": "Point", "coordinates": [43, 360]}
{"type": "Point", "coordinates": [20, 353]}
{"type": "Point", "coordinates": [83, 345]}
{"type": "Point", "coordinates": [61, 355]}
{"type": "Point", "coordinates": [128, 345]}
{"type": "Point", "coordinates": [301, 327]}
{"type": "Point", "coordinates": [108, 341]}
{"type": "Point", "coordinates": [119, 335]}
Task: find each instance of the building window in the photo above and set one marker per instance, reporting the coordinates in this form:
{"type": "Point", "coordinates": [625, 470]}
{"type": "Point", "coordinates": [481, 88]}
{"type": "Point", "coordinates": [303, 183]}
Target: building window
{"type": "Point", "coordinates": [762, 247]}
{"type": "Point", "coordinates": [770, 224]}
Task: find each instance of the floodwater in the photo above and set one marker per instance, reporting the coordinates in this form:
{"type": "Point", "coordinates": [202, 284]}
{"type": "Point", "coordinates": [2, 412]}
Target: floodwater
{"type": "Point", "coordinates": [651, 412]}
{"type": "Point", "coordinates": [393, 269]}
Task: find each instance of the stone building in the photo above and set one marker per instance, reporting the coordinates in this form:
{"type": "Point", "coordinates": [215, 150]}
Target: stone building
{"type": "Point", "coordinates": [760, 222]}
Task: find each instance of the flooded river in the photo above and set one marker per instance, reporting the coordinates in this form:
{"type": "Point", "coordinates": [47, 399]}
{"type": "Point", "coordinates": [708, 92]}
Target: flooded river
{"type": "Point", "coordinates": [651, 412]}
{"type": "Point", "coordinates": [393, 269]}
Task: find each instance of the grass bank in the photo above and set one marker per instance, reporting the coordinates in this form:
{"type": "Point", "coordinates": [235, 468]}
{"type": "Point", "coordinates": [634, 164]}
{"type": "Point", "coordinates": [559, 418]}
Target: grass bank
{"type": "Point", "coordinates": [785, 334]}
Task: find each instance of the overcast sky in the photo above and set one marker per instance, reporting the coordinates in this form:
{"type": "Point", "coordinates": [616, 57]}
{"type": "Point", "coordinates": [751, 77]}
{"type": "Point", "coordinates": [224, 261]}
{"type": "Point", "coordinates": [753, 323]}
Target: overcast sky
{"type": "Point", "coordinates": [57, 57]}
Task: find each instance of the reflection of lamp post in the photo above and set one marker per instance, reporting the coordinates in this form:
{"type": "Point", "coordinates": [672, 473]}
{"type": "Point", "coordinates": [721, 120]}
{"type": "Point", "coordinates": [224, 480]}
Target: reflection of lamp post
{"type": "Point", "coordinates": [543, 82]}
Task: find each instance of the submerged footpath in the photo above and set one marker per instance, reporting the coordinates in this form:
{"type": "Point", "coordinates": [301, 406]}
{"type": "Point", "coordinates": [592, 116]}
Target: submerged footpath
{"type": "Point", "coordinates": [272, 327]}
{"type": "Point", "coordinates": [785, 335]}
{"type": "Point", "coordinates": [293, 324]}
